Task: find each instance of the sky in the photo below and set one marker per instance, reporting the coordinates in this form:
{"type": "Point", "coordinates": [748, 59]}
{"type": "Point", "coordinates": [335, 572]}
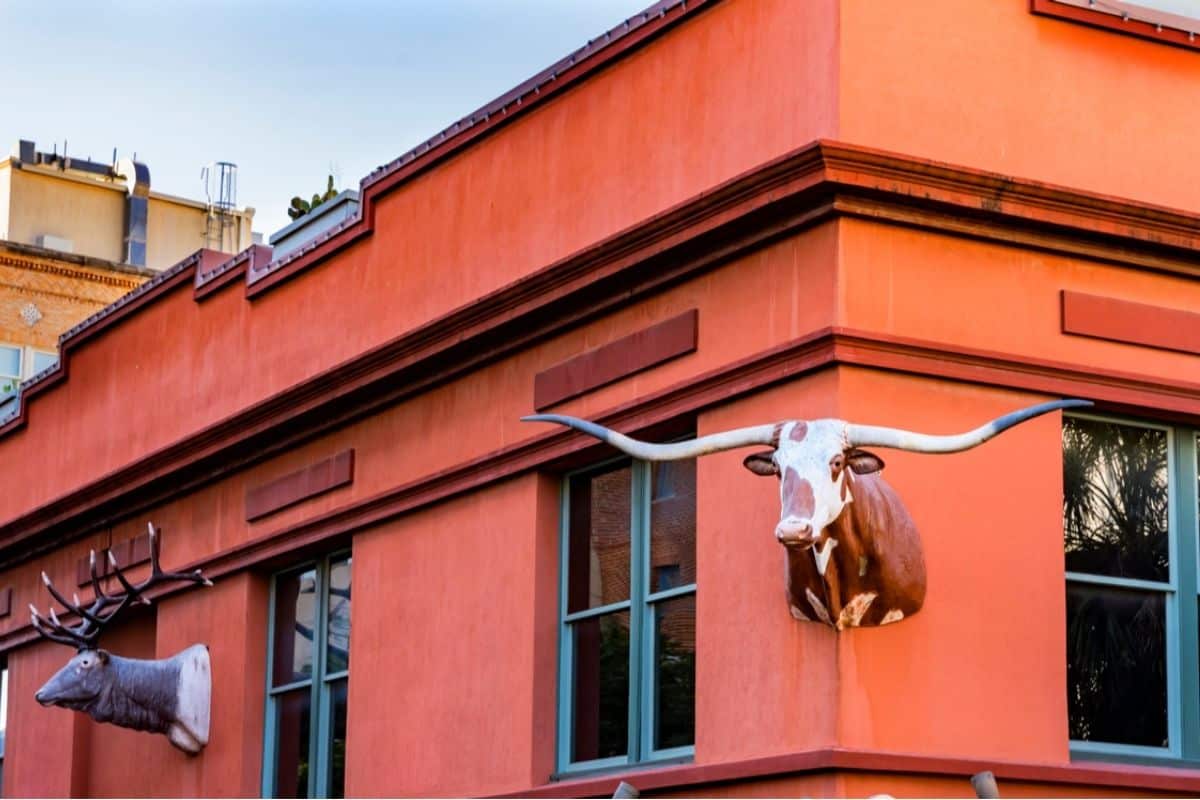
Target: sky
{"type": "Point", "coordinates": [289, 91]}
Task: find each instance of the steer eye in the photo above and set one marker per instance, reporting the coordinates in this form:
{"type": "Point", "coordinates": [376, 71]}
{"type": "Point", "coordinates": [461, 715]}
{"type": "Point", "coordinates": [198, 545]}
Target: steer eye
{"type": "Point", "coordinates": [837, 462]}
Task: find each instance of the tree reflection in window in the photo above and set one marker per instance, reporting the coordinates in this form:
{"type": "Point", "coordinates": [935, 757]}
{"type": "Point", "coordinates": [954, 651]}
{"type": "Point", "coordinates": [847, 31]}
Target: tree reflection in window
{"type": "Point", "coordinates": [1117, 544]}
{"type": "Point", "coordinates": [1115, 499]}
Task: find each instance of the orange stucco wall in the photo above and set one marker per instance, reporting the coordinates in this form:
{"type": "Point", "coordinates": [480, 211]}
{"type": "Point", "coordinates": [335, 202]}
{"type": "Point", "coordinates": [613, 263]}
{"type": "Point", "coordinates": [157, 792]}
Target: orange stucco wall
{"type": "Point", "coordinates": [453, 683]}
{"type": "Point", "coordinates": [989, 85]}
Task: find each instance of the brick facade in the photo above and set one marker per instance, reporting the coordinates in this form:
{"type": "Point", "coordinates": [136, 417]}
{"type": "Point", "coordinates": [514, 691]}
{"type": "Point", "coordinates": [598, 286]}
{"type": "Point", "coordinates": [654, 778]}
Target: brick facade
{"type": "Point", "coordinates": [64, 289]}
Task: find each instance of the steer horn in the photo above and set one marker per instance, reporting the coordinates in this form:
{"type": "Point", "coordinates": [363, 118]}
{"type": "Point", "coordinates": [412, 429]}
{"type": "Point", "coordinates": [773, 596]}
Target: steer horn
{"type": "Point", "coordinates": [856, 435]}
{"type": "Point", "coordinates": [875, 436]}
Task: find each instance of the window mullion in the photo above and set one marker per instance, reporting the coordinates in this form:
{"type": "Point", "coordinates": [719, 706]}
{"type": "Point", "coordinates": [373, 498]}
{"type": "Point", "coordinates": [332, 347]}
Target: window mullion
{"type": "Point", "coordinates": [316, 770]}
{"type": "Point", "coordinates": [271, 734]}
{"type": "Point", "coordinates": [1186, 667]}
{"type": "Point", "coordinates": [638, 572]}
{"type": "Point", "coordinates": [565, 641]}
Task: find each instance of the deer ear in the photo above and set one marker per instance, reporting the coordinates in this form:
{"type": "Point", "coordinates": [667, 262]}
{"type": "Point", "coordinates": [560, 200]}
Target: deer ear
{"type": "Point", "coordinates": [102, 656]}
{"type": "Point", "coordinates": [762, 463]}
{"type": "Point", "coordinates": [862, 462]}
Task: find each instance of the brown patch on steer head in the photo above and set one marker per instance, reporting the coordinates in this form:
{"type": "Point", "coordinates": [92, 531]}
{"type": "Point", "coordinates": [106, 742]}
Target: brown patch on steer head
{"type": "Point", "coordinates": [761, 463]}
{"type": "Point", "coordinates": [799, 431]}
{"type": "Point", "coordinates": [798, 499]}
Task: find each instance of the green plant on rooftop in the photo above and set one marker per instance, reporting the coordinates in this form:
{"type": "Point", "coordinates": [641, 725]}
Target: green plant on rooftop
{"type": "Point", "coordinates": [299, 207]}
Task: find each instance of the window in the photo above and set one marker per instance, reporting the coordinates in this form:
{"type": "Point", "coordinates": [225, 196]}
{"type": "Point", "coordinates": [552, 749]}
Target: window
{"type": "Point", "coordinates": [628, 637]}
{"type": "Point", "coordinates": [10, 369]}
{"type": "Point", "coordinates": [307, 676]}
{"type": "Point", "coordinates": [1130, 540]}
{"type": "Point", "coordinates": [19, 364]}
{"type": "Point", "coordinates": [3, 719]}
{"type": "Point", "coordinates": [42, 360]}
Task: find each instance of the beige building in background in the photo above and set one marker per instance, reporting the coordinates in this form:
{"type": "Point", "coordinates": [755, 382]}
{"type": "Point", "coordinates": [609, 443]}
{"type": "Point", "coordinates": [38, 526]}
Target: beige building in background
{"type": "Point", "coordinates": [88, 208]}
{"type": "Point", "coordinates": [75, 235]}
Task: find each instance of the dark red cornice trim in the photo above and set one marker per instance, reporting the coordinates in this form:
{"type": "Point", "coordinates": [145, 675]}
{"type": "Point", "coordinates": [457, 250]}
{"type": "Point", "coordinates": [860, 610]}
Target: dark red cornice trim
{"type": "Point", "coordinates": [814, 184]}
{"type": "Point", "coordinates": [1155, 26]}
{"type": "Point", "coordinates": [836, 759]}
{"type": "Point", "coordinates": [560, 449]}
{"type": "Point", "coordinates": [229, 272]}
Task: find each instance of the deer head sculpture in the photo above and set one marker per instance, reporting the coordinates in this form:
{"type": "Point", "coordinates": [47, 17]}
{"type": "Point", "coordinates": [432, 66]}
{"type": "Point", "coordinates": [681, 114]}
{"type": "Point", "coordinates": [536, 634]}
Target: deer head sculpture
{"type": "Point", "coordinates": [169, 696]}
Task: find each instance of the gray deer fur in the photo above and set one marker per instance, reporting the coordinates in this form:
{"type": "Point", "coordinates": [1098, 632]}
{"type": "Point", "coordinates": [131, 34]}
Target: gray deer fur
{"type": "Point", "coordinates": [169, 695]}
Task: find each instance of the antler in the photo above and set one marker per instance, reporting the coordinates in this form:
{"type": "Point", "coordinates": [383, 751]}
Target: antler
{"type": "Point", "coordinates": [93, 619]}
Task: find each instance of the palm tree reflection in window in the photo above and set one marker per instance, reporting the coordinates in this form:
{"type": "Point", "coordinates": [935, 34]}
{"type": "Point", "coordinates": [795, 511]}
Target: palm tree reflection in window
{"type": "Point", "coordinates": [1115, 525]}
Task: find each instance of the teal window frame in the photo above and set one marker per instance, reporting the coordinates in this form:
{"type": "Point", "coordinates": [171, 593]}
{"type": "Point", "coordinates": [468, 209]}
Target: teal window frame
{"type": "Point", "coordinates": [642, 604]}
{"type": "Point", "coordinates": [1181, 600]}
{"type": "Point", "coordinates": [320, 700]}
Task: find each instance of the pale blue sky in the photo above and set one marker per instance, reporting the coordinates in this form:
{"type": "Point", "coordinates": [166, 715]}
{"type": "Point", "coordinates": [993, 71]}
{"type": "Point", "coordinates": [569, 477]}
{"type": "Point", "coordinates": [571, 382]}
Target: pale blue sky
{"type": "Point", "coordinates": [286, 90]}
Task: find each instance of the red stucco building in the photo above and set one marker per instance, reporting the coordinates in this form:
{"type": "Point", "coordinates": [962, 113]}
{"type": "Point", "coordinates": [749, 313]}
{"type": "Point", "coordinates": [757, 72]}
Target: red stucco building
{"type": "Point", "coordinates": [718, 214]}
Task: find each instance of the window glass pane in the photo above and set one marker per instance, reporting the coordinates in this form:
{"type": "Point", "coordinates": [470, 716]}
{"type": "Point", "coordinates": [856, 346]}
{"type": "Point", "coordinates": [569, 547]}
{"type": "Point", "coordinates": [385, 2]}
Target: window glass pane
{"type": "Point", "coordinates": [337, 747]}
{"type": "Point", "coordinates": [675, 672]}
{"type": "Point", "coordinates": [1116, 665]}
{"type": "Point", "coordinates": [3, 709]}
{"type": "Point", "coordinates": [673, 525]}
{"type": "Point", "coordinates": [600, 718]}
{"type": "Point", "coordinates": [43, 361]}
{"type": "Point", "coordinates": [598, 546]}
{"type": "Point", "coordinates": [10, 362]}
{"type": "Point", "coordinates": [338, 636]}
{"type": "Point", "coordinates": [1115, 499]}
{"type": "Point", "coordinates": [295, 626]}
{"type": "Point", "coordinates": [291, 742]}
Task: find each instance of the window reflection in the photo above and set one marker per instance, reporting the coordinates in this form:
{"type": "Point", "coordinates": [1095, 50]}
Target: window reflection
{"type": "Point", "coordinates": [598, 572]}
{"type": "Point", "coordinates": [1116, 669]}
{"type": "Point", "coordinates": [601, 691]}
{"type": "Point", "coordinates": [675, 672]}
{"type": "Point", "coordinates": [295, 623]}
{"type": "Point", "coordinates": [1115, 500]}
{"type": "Point", "coordinates": [338, 638]}
{"type": "Point", "coordinates": [292, 731]}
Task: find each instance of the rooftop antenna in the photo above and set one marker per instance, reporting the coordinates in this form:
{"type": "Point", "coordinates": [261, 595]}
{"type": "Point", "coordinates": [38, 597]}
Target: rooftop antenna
{"type": "Point", "coordinates": [220, 190]}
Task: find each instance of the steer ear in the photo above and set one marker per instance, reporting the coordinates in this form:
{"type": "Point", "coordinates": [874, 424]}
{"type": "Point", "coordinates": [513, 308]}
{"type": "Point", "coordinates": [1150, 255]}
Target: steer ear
{"type": "Point", "coordinates": [762, 463]}
{"type": "Point", "coordinates": [862, 462]}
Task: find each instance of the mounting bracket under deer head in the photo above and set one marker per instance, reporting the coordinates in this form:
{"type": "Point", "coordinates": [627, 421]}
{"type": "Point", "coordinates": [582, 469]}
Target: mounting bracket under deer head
{"type": "Point", "coordinates": [169, 695]}
{"type": "Point", "coordinates": [854, 556]}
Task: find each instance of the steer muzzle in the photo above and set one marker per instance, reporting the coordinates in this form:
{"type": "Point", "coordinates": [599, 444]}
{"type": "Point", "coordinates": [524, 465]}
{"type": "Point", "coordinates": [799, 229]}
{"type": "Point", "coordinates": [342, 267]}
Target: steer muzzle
{"type": "Point", "coordinates": [792, 532]}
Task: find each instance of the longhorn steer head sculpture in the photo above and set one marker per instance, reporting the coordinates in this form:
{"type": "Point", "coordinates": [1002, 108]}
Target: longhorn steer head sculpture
{"type": "Point", "coordinates": [170, 695]}
{"type": "Point", "coordinates": [853, 553]}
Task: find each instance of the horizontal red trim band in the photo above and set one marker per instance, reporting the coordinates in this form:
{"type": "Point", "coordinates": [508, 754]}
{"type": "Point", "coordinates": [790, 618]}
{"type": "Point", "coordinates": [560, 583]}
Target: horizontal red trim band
{"type": "Point", "coordinates": [616, 360]}
{"type": "Point", "coordinates": [300, 485]}
{"type": "Point", "coordinates": [1155, 26]}
{"type": "Point", "coordinates": [1118, 776]}
{"type": "Point", "coordinates": [1132, 323]}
